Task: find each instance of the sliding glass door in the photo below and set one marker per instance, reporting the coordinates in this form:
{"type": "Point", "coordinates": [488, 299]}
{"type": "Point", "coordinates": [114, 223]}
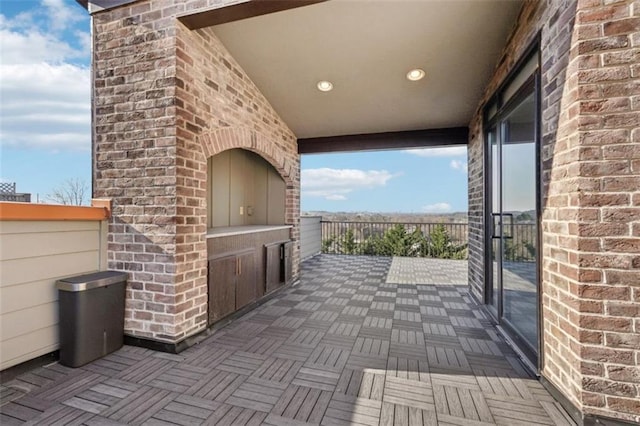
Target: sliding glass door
{"type": "Point", "coordinates": [495, 243]}
{"type": "Point", "coordinates": [519, 228]}
{"type": "Point", "coordinates": [512, 284]}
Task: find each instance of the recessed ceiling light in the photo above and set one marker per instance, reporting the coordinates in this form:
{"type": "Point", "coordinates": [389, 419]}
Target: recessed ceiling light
{"type": "Point", "coordinates": [415, 74]}
{"type": "Point", "coordinates": [324, 86]}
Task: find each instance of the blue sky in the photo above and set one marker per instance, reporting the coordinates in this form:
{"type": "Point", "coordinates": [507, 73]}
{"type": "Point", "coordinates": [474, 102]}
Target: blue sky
{"type": "Point", "coordinates": [45, 126]}
{"type": "Point", "coordinates": [45, 109]}
{"type": "Point", "coordinates": [430, 180]}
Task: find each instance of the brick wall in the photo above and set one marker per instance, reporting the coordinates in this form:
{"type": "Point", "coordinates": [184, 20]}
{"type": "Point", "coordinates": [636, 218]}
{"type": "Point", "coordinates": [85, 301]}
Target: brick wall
{"type": "Point", "coordinates": [475, 155]}
{"type": "Point", "coordinates": [590, 186]}
{"type": "Point", "coordinates": [603, 209]}
{"type": "Point", "coordinates": [165, 99]}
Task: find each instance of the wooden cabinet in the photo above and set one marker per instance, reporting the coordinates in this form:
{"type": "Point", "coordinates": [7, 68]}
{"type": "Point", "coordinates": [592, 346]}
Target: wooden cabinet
{"type": "Point", "coordinates": [278, 264]}
{"type": "Point", "coordinates": [273, 253]}
{"type": "Point", "coordinates": [246, 283]}
{"type": "Point", "coordinates": [232, 283]}
{"type": "Point", "coordinates": [244, 264]}
{"type": "Point", "coordinates": [288, 262]}
{"type": "Point", "coordinates": [222, 287]}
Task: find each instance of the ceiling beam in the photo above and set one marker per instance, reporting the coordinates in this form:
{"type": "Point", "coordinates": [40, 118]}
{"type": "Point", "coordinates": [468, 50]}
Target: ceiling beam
{"type": "Point", "coordinates": [236, 12]}
{"type": "Point", "coordinates": [385, 141]}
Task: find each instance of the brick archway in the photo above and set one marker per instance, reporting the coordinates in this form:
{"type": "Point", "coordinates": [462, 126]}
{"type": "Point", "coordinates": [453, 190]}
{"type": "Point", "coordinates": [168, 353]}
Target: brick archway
{"type": "Point", "coordinates": [223, 139]}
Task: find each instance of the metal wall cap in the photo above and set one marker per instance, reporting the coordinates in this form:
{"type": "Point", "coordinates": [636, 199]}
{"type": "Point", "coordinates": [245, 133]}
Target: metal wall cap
{"type": "Point", "coordinates": [93, 280]}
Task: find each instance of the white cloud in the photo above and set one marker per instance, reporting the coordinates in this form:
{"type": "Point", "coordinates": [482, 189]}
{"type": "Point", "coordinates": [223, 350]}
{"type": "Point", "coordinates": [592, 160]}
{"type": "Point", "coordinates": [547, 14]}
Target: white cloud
{"type": "Point", "coordinates": [447, 151]}
{"type": "Point", "coordinates": [30, 47]}
{"type": "Point", "coordinates": [45, 106]}
{"type": "Point", "coordinates": [84, 40]}
{"type": "Point", "coordinates": [459, 165]}
{"type": "Point", "coordinates": [45, 100]}
{"type": "Point", "coordinates": [335, 184]}
{"type": "Point", "coordinates": [437, 208]}
{"type": "Point", "coordinates": [60, 14]}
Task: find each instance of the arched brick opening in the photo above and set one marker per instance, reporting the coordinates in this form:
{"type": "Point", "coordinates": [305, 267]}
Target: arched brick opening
{"type": "Point", "coordinates": [220, 140]}
{"type": "Point", "coordinates": [223, 139]}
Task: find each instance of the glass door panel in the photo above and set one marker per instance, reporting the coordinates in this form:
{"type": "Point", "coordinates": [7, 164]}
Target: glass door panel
{"type": "Point", "coordinates": [512, 229]}
{"type": "Point", "coordinates": [494, 188]}
{"type": "Point", "coordinates": [518, 219]}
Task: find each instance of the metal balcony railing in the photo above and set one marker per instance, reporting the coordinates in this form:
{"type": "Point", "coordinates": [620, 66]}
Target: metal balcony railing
{"type": "Point", "coordinates": [439, 240]}
{"type": "Point", "coordinates": [443, 240]}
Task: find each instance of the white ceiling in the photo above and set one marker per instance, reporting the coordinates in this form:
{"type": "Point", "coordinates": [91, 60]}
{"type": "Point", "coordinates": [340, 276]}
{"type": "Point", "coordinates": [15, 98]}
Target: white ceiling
{"type": "Point", "coordinates": [365, 48]}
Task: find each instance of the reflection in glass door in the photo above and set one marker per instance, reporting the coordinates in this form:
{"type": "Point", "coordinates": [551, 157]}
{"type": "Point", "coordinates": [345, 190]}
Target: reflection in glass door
{"type": "Point", "coordinates": [493, 288]}
{"type": "Point", "coordinates": [513, 282]}
{"type": "Point", "coordinates": [519, 229]}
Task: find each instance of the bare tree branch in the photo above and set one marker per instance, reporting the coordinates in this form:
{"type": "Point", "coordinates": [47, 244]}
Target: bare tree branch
{"type": "Point", "coordinates": [70, 192]}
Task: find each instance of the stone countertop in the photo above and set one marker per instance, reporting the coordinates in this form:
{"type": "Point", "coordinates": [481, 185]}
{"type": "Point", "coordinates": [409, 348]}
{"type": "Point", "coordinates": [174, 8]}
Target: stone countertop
{"type": "Point", "coordinates": [226, 231]}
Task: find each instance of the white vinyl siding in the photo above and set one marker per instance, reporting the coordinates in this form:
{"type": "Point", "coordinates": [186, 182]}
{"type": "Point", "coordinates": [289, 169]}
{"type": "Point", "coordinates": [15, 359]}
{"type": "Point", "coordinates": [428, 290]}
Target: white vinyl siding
{"type": "Point", "coordinates": [33, 255]}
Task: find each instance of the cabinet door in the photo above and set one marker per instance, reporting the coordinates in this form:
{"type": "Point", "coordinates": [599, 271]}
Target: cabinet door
{"type": "Point", "coordinates": [222, 287]}
{"type": "Point", "coordinates": [272, 266]}
{"type": "Point", "coordinates": [288, 262]}
{"type": "Point", "coordinates": [246, 280]}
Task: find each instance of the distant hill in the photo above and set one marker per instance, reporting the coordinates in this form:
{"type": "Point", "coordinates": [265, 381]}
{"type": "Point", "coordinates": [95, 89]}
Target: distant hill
{"type": "Point", "coordinates": [457, 217]}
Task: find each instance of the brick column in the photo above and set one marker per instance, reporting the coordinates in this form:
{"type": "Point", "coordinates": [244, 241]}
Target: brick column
{"type": "Point", "coordinates": [160, 90]}
{"type": "Point", "coordinates": [601, 208]}
{"type": "Point", "coordinates": [135, 159]}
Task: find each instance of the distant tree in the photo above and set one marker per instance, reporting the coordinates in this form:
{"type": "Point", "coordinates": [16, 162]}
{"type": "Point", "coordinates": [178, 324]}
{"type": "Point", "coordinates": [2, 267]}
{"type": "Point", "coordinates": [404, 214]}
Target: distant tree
{"type": "Point", "coordinates": [419, 244]}
{"type": "Point", "coordinates": [396, 241]}
{"type": "Point", "coordinates": [347, 243]}
{"type": "Point", "coordinates": [441, 246]}
{"type": "Point", "coordinates": [74, 192]}
{"type": "Point", "coordinates": [531, 249]}
{"type": "Point", "coordinates": [524, 217]}
{"type": "Point", "coordinates": [327, 244]}
{"type": "Point", "coordinates": [511, 251]}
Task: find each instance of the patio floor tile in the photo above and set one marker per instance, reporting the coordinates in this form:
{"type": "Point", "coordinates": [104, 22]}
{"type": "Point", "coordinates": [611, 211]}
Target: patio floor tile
{"type": "Point", "coordinates": [360, 341]}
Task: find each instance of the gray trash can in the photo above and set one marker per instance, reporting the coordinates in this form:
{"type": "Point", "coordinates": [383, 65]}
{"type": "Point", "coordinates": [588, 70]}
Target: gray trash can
{"type": "Point", "coordinates": [91, 316]}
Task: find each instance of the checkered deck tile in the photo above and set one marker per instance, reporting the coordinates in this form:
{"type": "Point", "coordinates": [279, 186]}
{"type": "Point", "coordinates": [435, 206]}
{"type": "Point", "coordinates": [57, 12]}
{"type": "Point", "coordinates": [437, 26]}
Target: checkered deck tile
{"type": "Point", "coordinates": [360, 341]}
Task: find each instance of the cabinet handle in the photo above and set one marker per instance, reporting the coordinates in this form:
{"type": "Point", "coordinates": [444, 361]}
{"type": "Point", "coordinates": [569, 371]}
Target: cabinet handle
{"type": "Point", "coordinates": [239, 266]}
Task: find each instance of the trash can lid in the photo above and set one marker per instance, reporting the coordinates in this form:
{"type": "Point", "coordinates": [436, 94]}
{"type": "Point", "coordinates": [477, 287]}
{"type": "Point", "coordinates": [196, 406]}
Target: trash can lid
{"type": "Point", "coordinates": [89, 281]}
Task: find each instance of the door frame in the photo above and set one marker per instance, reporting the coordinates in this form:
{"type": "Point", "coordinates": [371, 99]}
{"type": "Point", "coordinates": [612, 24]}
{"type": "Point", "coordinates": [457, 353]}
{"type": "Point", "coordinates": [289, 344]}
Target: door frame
{"type": "Point", "coordinates": [494, 111]}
